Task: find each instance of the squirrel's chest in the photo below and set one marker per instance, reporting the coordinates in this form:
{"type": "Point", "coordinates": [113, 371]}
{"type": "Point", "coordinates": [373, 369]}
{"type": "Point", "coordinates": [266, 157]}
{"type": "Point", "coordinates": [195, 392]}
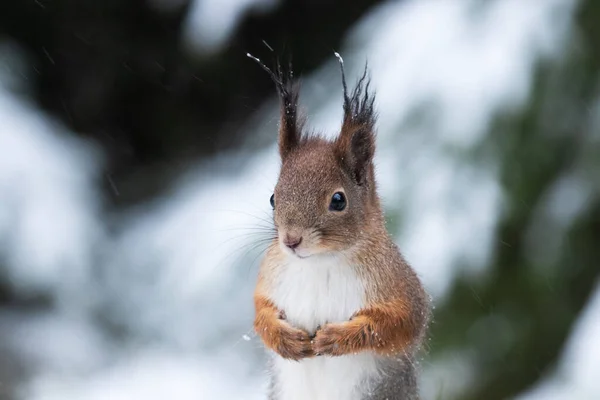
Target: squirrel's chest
{"type": "Point", "coordinates": [316, 291]}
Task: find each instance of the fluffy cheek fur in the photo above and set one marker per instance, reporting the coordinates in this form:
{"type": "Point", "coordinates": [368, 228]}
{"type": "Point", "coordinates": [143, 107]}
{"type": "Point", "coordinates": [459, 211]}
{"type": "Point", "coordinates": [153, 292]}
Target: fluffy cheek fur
{"type": "Point", "coordinates": [338, 232]}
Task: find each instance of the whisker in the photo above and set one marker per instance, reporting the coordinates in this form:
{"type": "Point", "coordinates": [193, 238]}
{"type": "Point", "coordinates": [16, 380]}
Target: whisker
{"type": "Point", "coordinates": [249, 228]}
{"type": "Point", "coordinates": [249, 250]}
{"type": "Point", "coordinates": [260, 235]}
{"type": "Point", "coordinates": [266, 220]}
{"type": "Point", "coordinates": [242, 251]}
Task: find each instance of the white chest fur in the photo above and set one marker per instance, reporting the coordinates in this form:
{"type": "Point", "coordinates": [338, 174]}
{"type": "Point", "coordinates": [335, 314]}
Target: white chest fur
{"type": "Point", "coordinates": [313, 292]}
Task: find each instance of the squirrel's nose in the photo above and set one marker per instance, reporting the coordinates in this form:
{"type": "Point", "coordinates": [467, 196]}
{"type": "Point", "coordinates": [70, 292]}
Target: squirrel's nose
{"type": "Point", "coordinates": [292, 241]}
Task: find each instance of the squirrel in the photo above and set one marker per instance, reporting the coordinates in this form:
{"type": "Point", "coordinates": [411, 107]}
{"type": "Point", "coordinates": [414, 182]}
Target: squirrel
{"type": "Point", "coordinates": [341, 311]}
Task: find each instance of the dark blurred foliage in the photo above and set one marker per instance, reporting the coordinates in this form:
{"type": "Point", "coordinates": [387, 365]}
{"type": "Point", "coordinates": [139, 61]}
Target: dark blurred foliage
{"type": "Point", "coordinates": [528, 309]}
{"type": "Point", "coordinates": [116, 70]}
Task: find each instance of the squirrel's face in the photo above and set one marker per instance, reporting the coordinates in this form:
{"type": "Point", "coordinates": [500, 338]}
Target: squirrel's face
{"type": "Point", "coordinates": [325, 197]}
{"type": "Point", "coordinates": [318, 207]}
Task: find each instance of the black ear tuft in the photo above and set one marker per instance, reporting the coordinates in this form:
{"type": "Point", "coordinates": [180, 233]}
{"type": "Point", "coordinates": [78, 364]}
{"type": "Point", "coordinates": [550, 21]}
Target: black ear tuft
{"type": "Point", "coordinates": [359, 106]}
{"type": "Point", "coordinates": [356, 143]}
{"type": "Point", "coordinates": [288, 90]}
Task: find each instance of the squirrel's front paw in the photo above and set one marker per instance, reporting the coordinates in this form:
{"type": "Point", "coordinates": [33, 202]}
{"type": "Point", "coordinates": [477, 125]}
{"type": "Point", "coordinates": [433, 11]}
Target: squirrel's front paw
{"type": "Point", "coordinates": [294, 344]}
{"type": "Point", "coordinates": [331, 340]}
{"type": "Point", "coordinates": [338, 339]}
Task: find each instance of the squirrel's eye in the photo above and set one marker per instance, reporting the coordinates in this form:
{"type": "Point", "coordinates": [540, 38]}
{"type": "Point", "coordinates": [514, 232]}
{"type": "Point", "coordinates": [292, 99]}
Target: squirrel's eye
{"type": "Point", "coordinates": [338, 202]}
{"type": "Point", "coordinates": [272, 200]}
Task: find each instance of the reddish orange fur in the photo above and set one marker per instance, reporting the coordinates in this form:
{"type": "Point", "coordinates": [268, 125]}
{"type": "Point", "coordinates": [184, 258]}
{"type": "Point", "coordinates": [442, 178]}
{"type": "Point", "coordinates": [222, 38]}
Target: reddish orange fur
{"type": "Point", "coordinates": [383, 328]}
{"type": "Point", "coordinates": [277, 334]}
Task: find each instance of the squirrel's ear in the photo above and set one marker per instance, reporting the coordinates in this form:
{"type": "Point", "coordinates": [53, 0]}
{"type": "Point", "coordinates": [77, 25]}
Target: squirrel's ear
{"type": "Point", "coordinates": [289, 127]}
{"type": "Point", "coordinates": [356, 143]}
{"type": "Point", "coordinates": [288, 90]}
{"type": "Point", "coordinates": [357, 154]}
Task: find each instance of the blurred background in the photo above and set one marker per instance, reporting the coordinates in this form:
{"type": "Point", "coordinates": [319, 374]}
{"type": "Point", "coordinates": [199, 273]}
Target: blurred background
{"type": "Point", "coordinates": [138, 155]}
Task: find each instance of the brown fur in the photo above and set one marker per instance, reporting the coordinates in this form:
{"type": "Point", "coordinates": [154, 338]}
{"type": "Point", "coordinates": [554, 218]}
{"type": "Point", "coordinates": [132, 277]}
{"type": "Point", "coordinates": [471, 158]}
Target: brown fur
{"type": "Point", "coordinates": [313, 169]}
{"type": "Point", "coordinates": [277, 334]}
{"type": "Point", "coordinates": [396, 317]}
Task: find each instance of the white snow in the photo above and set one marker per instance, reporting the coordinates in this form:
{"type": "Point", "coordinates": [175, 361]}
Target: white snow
{"type": "Point", "coordinates": [49, 202]}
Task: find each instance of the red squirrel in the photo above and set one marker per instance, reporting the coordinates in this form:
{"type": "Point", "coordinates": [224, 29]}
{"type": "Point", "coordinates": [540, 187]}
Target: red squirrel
{"type": "Point", "coordinates": [340, 309]}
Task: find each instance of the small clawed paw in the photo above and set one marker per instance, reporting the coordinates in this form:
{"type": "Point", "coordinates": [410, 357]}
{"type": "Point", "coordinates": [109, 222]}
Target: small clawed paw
{"type": "Point", "coordinates": [314, 334]}
{"type": "Point", "coordinates": [328, 340]}
{"type": "Point", "coordinates": [295, 344]}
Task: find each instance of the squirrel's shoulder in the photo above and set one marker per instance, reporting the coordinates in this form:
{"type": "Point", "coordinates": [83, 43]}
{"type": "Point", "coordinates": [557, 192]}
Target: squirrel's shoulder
{"type": "Point", "coordinates": [387, 270]}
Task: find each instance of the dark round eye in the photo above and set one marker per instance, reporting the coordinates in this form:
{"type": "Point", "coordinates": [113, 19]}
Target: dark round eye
{"type": "Point", "coordinates": [338, 202]}
{"type": "Point", "coordinates": [272, 200]}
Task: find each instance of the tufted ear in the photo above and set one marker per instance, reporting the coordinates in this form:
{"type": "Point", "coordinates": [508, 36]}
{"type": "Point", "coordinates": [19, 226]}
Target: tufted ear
{"type": "Point", "coordinates": [288, 90]}
{"type": "Point", "coordinates": [355, 145]}
{"type": "Point", "coordinates": [357, 154]}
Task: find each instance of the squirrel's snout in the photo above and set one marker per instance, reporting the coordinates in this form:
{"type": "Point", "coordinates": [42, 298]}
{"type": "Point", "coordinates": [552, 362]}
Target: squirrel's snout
{"type": "Point", "coordinates": [292, 241]}
{"type": "Point", "coordinates": [295, 241]}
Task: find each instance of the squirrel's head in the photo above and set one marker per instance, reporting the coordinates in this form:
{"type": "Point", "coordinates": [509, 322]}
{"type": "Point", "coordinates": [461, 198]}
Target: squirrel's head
{"type": "Point", "coordinates": [325, 198]}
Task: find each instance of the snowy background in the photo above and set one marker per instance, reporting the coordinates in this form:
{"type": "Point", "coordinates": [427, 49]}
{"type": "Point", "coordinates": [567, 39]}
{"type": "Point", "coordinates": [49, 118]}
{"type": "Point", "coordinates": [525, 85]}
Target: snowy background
{"type": "Point", "coordinates": [153, 300]}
